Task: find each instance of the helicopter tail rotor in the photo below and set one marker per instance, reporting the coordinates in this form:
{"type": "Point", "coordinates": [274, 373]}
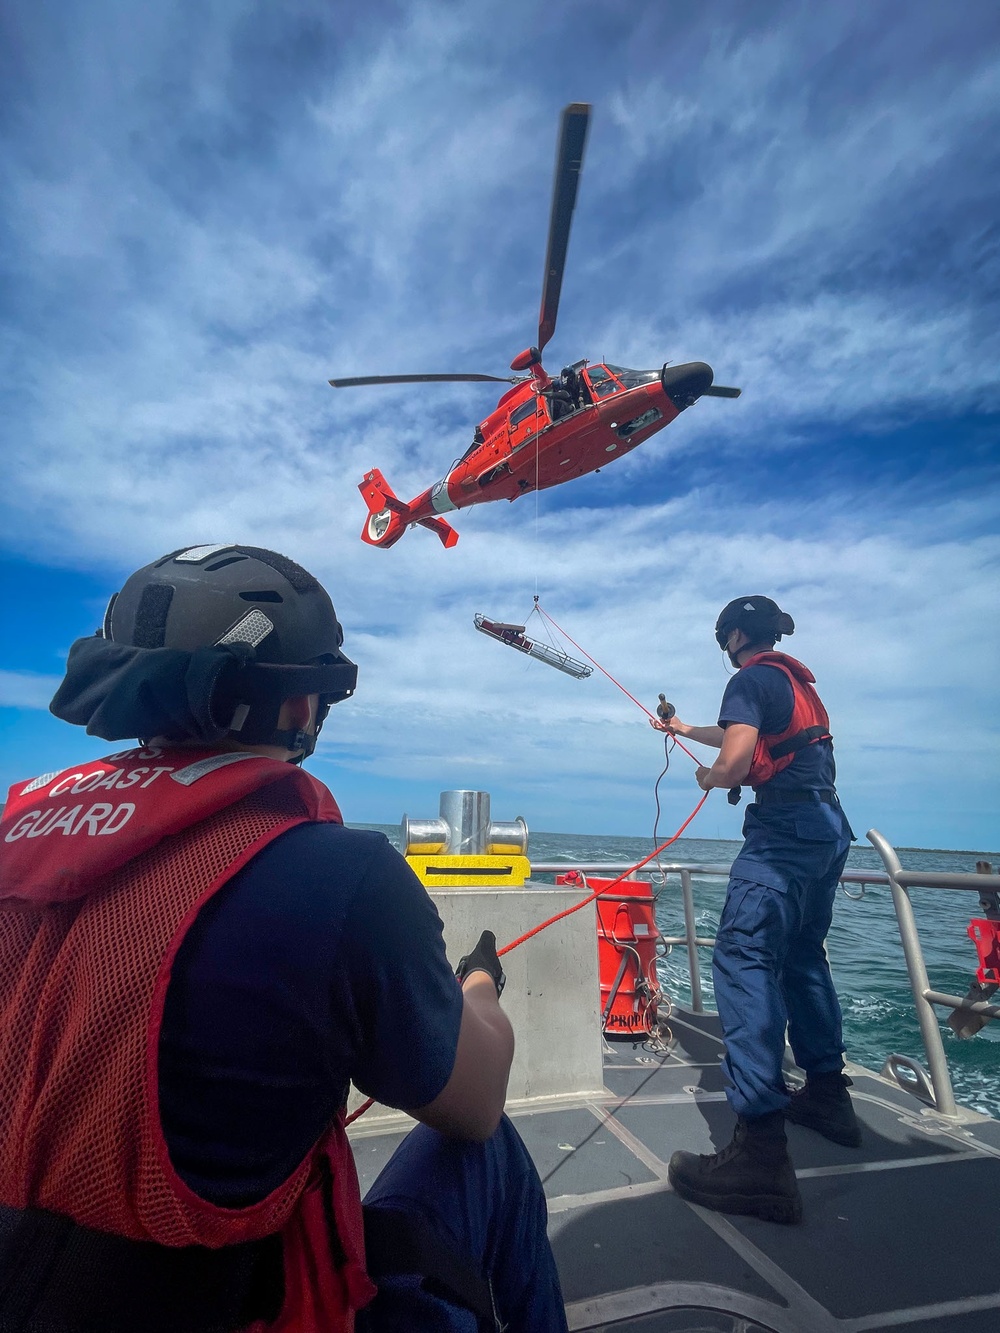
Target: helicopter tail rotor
{"type": "Point", "coordinates": [386, 521]}
{"type": "Point", "coordinates": [389, 517]}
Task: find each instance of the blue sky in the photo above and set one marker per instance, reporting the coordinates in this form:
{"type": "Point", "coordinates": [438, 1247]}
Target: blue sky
{"type": "Point", "coordinates": [209, 210]}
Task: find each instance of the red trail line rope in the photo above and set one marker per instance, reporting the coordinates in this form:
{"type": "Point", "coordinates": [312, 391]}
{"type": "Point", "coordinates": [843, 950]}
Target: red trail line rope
{"type": "Point", "coordinates": [620, 686]}
{"type": "Point", "coordinates": [569, 912]}
{"type": "Point", "coordinates": [625, 874]}
{"type": "Point", "coordinates": [607, 887]}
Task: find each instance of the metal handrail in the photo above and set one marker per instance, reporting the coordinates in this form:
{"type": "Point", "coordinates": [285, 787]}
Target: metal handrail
{"type": "Point", "coordinates": [676, 867]}
{"type": "Point", "coordinates": [900, 881]}
{"type": "Point", "coordinates": [684, 869]}
{"type": "Point", "coordinates": [924, 997]}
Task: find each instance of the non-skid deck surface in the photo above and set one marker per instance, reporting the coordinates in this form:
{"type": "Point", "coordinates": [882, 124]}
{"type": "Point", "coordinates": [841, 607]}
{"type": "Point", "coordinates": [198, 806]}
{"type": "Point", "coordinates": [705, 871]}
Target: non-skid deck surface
{"type": "Point", "coordinates": [903, 1233]}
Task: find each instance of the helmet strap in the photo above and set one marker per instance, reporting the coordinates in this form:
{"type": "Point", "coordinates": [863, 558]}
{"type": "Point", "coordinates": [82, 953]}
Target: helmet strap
{"type": "Point", "coordinates": [301, 742]}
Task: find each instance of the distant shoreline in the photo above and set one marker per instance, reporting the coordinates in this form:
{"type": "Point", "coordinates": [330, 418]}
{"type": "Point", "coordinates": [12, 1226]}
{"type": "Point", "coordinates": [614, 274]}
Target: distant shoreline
{"type": "Point", "coordinates": [953, 851]}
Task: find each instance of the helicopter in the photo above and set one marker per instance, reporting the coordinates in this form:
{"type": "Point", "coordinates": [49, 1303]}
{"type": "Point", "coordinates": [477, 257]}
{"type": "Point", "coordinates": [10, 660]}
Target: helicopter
{"type": "Point", "coordinates": [544, 431]}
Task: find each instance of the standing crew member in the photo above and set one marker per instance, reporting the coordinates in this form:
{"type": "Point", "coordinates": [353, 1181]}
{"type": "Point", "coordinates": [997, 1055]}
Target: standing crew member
{"type": "Point", "coordinates": [196, 957]}
{"type": "Point", "coordinates": [770, 966]}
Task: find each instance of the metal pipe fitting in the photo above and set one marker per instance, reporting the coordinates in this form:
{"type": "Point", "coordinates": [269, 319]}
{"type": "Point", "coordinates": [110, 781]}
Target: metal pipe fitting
{"type": "Point", "coordinates": [464, 828]}
{"type": "Point", "coordinates": [423, 837]}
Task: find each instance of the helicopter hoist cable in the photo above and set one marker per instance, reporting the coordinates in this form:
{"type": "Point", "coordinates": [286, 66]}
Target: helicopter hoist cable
{"type": "Point", "coordinates": [537, 449]}
{"type": "Point", "coordinates": [546, 628]}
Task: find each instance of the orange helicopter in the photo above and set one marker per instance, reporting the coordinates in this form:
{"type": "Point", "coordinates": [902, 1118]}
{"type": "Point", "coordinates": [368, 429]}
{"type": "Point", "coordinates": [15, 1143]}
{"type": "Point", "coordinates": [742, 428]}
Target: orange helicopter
{"type": "Point", "coordinates": [543, 431]}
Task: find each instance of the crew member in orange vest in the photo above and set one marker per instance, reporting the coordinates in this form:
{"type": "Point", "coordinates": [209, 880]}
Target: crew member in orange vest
{"type": "Point", "coordinates": [769, 965]}
{"type": "Point", "coordinates": [196, 958]}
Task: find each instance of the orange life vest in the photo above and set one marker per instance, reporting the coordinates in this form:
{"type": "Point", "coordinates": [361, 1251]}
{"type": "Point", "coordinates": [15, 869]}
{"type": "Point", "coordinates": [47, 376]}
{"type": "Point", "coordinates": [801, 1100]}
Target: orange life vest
{"type": "Point", "coordinates": [809, 721]}
{"type": "Point", "coordinates": [103, 868]}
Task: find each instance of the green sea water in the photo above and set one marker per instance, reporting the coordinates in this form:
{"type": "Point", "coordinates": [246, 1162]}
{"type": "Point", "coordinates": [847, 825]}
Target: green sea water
{"type": "Point", "coordinates": [864, 948]}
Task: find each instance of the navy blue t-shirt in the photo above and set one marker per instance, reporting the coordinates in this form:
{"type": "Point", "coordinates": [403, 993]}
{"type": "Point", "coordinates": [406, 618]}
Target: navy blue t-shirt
{"type": "Point", "coordinates": [322, 961]}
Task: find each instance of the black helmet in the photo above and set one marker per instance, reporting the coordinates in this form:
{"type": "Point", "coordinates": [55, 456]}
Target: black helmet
{"type": "Point", "coordinates": [759, 618]}
{"type": "Point", "coordinates": [210, 595]}
{"type": "Point", "coordinates": [207, 642]}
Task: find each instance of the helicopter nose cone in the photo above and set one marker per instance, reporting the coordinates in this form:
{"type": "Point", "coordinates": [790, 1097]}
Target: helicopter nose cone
{"type": "Point", "coordinates": [684, 385]}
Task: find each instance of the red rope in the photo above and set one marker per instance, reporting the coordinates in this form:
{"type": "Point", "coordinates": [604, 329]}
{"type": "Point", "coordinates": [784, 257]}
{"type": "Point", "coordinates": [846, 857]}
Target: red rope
{"type": "Point", "coordinates": [613, 681]}
{"type": "Point", "coordinates": [360, 1111]}
{"type": "Point", "coordinates": [607, 887]}
{"type": "Point", "coordinates": [625, 874]}
{"type": "Point", "coordinates": [569, 912]}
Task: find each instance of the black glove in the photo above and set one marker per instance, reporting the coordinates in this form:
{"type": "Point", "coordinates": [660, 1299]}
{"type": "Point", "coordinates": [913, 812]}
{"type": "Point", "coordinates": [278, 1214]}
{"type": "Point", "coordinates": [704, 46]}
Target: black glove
{"type": "Point", "coordinates": [483, 958]}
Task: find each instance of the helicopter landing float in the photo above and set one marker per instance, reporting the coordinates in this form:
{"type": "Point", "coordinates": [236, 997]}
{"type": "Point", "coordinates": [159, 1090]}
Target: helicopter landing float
{"type": "Point", "coordinates": [543, 431]}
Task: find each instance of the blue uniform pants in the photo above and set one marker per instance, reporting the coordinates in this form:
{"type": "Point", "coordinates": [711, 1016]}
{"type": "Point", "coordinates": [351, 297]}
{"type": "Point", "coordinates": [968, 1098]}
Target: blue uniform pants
{"type": "Point", "coordinates": [485, 1201]}
{"type": "Point", "coordinates": [771, 972]}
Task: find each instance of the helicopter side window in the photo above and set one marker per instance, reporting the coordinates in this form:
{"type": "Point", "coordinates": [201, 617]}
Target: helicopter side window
{"type": "Point", "coordinates": [521, 413]}
{"type": "Point", "coordinates": [647, 418]}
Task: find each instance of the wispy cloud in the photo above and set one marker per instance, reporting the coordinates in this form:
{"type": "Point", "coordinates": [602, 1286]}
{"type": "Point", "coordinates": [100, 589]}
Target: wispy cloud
{"type": "Point", "coordinates": [26, 689]}
{"type": "Point", "coordinates": [199, 233]}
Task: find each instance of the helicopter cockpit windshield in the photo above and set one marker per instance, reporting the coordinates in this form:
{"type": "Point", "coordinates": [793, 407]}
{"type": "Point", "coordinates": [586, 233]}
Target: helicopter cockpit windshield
{"type": "Point", "coordinates": [633, 378]}
{"type": "Point", "coordinates": [602, 382]}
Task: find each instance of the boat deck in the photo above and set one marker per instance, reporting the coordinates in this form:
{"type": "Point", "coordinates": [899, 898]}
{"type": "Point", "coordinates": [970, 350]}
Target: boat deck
{"type": "Point", "coordinates": [901, 1233]}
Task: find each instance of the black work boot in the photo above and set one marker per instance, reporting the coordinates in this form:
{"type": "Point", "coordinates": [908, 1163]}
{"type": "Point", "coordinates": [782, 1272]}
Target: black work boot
{"type": "Point", "coordinates": [824, 1105]}
{"type": "Point", "coordinates": [752, 1175]}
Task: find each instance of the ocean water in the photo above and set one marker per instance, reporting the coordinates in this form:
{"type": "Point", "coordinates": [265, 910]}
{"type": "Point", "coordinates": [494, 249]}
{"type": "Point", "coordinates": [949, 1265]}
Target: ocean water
{"type": "Point", "coordinates": [865, 952]}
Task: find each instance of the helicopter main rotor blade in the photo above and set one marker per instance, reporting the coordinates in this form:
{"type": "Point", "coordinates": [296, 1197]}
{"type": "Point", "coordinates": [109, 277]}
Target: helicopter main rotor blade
{"type": "Point", "coordinates": [720, 391]}
{"type": "Point", "coordinates": [421, 379]}
{"type": "Point", "coordinates": [569, 160]}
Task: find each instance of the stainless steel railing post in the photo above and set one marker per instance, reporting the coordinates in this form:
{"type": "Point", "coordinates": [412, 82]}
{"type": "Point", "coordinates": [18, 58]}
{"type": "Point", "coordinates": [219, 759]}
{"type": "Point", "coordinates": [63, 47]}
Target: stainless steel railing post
{"type": "Point", "coordinates": [691, 937]}
{"type": "Point", "coordinates": [937, 1061]}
